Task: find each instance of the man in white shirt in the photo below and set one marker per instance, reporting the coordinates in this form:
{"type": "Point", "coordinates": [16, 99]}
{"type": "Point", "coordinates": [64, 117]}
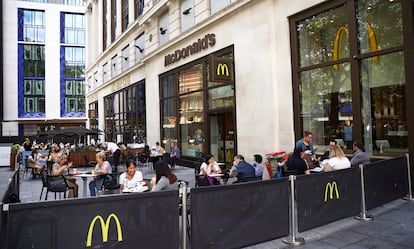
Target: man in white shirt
{"type": "Point", "coordinates": [113, 148]}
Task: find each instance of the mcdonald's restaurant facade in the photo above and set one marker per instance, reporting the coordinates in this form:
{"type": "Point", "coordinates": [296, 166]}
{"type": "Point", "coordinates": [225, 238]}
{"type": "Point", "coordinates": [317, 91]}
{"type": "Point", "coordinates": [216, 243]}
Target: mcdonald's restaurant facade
{"type": "Point", "coordinates": [252, 76]}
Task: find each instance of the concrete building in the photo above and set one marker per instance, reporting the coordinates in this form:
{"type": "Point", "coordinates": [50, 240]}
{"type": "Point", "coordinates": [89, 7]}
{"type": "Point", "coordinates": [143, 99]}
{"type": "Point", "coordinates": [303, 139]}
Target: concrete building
{"type": "Point", "coordinates": [43, 66]}
{"type": "Point", "coordinates": [244, 76]}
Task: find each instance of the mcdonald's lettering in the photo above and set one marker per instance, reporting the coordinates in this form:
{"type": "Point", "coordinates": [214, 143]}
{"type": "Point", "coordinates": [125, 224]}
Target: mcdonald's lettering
{"type": "Point", "coordinates": [332, 188]}
{"type": "Point", "coordinates": [222, 69]}
{"type": "Point", "coordinates": [104, 228]}
{"type": "Point", "coordinates": [373, 45]}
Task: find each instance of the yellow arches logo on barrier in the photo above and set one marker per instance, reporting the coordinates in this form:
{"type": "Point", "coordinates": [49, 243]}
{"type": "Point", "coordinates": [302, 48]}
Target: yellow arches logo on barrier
{"type": "Point", "coordinates": [104, 228]}
{"type": "Point", "coordinates": [332, 188]}
{"type": "Point", "coordinates": [339, 33]}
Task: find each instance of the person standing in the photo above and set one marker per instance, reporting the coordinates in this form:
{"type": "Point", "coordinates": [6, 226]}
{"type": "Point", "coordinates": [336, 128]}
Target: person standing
{"type": "Point", "coordinates": [360, 156]}
{"type": "Point", "coordinates": [114, 151]}
{"type": "Point", "coordinates": [307, 146]}
{"type": "Point", "coordinates": [27, 145]}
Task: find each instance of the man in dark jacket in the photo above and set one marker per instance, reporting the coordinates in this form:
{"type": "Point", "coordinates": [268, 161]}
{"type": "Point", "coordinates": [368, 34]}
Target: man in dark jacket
{"type": "Point", "coordinates": [242, 169]}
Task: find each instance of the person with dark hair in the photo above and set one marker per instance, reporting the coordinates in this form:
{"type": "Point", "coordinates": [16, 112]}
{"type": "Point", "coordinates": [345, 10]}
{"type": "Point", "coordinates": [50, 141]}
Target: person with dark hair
{"type": "Point", "coordinates": [242, 169]}
{"type": "Point", "coordinates": [296, 164]}
{"type": "Point", "coordinates": [257, 165]}
{"type": "Point", "coordinates": [131, 177]}
{"type": "Point", "coordinates": [33, 162]}
{"type": "Point", "coordinates": [27, 145]}
{"type": "Point", "coordinates": [174, 155]}
{"type": "Point", "coordinates": [325, 155]}
{"type": "Point", "coordinates": [114, 150]}
{"type": "Point", "coordinates": [209, 166]}
{"type": "Point", "coordinates": [360, 156]}
{"type": "Point", "coordinates": [164, 178]}
{"type": "Point", "coordinates": [306, 143]}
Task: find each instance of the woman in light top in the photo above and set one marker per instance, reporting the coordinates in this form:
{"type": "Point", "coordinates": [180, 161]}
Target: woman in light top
{"type": "Point", "coordinates": [101, 169]}
{"type": "Point", "coordinates": [131, 178]}
{"type": "Point", "coordinates": [164, 178]}
{"type": "Point", "coordinates": [210, 166]}
{"type": "Point", "coordinates": [337, 159]}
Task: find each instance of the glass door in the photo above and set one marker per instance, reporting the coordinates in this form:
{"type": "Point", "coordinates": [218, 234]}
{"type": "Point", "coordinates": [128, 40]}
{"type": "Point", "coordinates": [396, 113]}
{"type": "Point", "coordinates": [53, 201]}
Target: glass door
{"type": "Point", "coordinates": [222, 137]}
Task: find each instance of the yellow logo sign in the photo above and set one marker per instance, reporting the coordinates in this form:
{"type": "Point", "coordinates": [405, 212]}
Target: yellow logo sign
{"type": "Point", "coordinates": [104, 228]}
{"type": "Point", "coordinates": [222, 69]}
{"type": "Point", "coordinates": [331, 187]}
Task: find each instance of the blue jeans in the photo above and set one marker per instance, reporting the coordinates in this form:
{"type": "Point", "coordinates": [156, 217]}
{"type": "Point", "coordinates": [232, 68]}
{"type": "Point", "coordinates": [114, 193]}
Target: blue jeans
{"type": "Point", "coordinates": [96, 184]}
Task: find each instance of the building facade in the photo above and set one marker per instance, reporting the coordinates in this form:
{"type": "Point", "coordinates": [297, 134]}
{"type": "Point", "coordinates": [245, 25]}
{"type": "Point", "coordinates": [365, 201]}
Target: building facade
{"type": "Point", "coordinates": [44, 55]}
{"type": "Point", "coordinates": [243, 76]}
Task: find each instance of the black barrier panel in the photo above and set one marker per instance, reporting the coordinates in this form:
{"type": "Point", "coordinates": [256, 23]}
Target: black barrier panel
{"type": "Point", "coordinates": [144, 220]}
{"type": "Point", "coordinates": [326, 197]}
{"type": "Point", "coordinates": [233, 216]}
{"type": "Point", "coordinates": [385, 181]}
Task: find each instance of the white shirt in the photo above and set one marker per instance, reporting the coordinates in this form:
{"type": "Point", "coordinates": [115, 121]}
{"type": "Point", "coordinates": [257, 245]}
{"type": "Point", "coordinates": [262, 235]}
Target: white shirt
{"type": "Point", "coordinates": [130, 183]}
{"type": "Point", "coordinates": [204, 166]}
{"type": "Point", "coordinates": [112, 147]}
{"type": "Point", "coordinates": [339, 163]}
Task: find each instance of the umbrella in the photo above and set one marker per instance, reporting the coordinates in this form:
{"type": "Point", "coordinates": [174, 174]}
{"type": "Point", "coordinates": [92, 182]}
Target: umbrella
{"type": "Point", "coordinates": [80, 131]}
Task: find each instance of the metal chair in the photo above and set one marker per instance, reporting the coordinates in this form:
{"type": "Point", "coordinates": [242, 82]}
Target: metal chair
{"type": "Point", "coordinates": [143, 161]}
{"type": "Point", "coordinates": [56, 184]}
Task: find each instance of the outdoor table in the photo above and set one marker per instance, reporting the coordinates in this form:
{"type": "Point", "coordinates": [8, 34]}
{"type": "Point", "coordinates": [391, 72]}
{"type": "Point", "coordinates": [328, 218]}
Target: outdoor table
{"type": "Point", "coordinates": [84, 175]}
{"type": "Point", "coordinates": [138, 189]}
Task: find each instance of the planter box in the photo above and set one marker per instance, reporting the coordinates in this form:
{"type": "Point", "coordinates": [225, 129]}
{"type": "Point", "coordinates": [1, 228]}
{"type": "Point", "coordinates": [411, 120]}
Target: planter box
{"type": "Point", "coordinates": [78, 157]}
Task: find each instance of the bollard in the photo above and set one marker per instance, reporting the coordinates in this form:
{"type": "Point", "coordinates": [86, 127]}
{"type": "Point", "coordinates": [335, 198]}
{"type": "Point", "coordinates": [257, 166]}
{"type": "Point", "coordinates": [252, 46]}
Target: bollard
{"type": "Point", "coordinates": [291, 239]}
{"type": "Point", "coordinates": [363, 216]}
{"type": "Point", "coordinates": [184, 212]}
{"type": "Point", "coordinates": [410, 193]}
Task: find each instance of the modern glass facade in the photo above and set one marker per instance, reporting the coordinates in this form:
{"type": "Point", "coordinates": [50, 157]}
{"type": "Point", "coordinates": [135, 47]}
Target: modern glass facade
{"type": "Point", "coordinates": [125, 115]}
{"type": "Point", "coordinates": [350, 55]}
{"type": "Point", "coordinates": [196, 112]}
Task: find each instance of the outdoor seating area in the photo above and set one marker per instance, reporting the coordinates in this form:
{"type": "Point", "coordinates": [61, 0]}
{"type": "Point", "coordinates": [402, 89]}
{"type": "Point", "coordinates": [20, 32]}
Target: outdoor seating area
{"type": "Point", "coordinates": [337, 191]}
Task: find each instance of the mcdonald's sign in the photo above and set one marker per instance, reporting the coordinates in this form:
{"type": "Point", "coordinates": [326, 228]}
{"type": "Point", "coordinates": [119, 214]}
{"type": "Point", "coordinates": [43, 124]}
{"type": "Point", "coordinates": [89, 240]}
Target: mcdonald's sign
{"type": "Point", "coordinates": [373, 45]}
{"type": "Point", "coordinates": [221, 70]}
{"type": "Point", "coordinates": [104, 228]}
{"type": "Point", "coordinates": [331, 188]}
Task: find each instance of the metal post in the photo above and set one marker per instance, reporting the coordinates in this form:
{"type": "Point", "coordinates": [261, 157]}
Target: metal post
{"type": "Point", "coordinates": [410, 193]}
{"type": "Point", "coordinates": [291, 239]}
{"type": "Point", "coordinates": [184, 213]}
{"type": "Point", "coordinates": [363, 216]}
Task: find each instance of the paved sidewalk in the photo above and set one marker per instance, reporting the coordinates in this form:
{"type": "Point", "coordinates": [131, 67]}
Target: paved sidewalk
{"type": "Point", "coordinates": [392, 226]}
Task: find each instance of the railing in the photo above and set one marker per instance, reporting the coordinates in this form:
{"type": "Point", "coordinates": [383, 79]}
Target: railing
{"type": "Point", "coordinates": [66, 2]}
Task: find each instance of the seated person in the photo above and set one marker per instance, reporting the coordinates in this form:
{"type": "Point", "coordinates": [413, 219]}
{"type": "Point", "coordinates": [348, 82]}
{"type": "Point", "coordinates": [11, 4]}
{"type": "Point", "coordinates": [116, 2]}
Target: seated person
{"type": "Point", "coordinates": [325, 155]}
{"type": "Point", "coordinates": [241, 169]}
{"type": "Point", "coordinates": [174, 155]}
{"type": "Point", "coordinates": [131, 178]}
{"type": "Point", "coordinates": [32, 162]}
{"type": "Point", "coordinates": [157, 150]}
{"type": "Point", "coordinates": [337, 159]}
{"type": "Point", "coordinates": [258, 166]}
{"type": "Point", "coordinates": [296, 164]}
{"type": "Point", "coordinates": [209, 166]}
{"type": "Point", "coordinates": [101, 169]}
{"type": "Point", "coordinates": [60, 167]}
{"type": "Point", "coordinates": [360, 156]}
{"type": "Point", "coordinates": [164, 178]}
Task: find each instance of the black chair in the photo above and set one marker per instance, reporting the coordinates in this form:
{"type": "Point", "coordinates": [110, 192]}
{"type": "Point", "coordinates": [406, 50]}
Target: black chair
{"type": "Point", "coordinates": [143, 161]}
{"type": "Point", "coordinates": [56, 184]}
{"type": "Point", "coordinates": [253, 178]}
{"type": "Point", "coordinates": [110, 184]}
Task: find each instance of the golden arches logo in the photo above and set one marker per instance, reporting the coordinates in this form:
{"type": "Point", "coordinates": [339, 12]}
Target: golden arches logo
{"type": "Point", "coordinates": [104, 228]}
{"type": "Point", "coordinates": [373, 45]}
{"type": "Point", "coordinates": [331, 187]}
{"type": "Point", "coordinates": [222, 69]}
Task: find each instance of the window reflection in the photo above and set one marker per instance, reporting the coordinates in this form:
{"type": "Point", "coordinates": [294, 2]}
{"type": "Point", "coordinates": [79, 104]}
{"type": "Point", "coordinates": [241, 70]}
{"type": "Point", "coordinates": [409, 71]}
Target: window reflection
{"type": "Point", "coordinates": [318, 35]}
{"type": "Point", "coordinates": [329, 115]}
{"type": "Point", "coordinates": [383, 97]}
{"type": "Point", "coordinates": [379, 24]}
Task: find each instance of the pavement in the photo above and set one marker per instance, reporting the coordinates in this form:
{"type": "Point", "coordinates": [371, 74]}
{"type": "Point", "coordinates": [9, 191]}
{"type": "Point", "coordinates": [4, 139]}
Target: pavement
{"type": "Point", "coordinates": [391, 227]}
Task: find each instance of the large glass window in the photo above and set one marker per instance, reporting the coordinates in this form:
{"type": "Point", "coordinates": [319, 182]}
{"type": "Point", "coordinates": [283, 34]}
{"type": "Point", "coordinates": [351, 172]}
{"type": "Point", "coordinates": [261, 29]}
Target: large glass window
{"type": "Point", "coordinates": [359, 98]}
{"type": "Point", "coordinates": [74, 96]}
{"type": "Point", "coordinates": [34, 61]}
{"type": "Point", "coordinates": [74, 29]}
{"type": "Point", "coordinates": [34, 96]}
{"type": "Point", "coordinates": [125, 115]}
{"type": "Point", "coordinates": [139, 8]}
{"type": "Point", "coordinates": [33, 25]}
{"type": "Point", "coordinates": [74, 62]}
{"type": "Point", "coordinates": [139, 47]}
{"type": "Point", "coordinates": [125, 14]}
{"type": "Point", "coordinates": [186, 113]}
